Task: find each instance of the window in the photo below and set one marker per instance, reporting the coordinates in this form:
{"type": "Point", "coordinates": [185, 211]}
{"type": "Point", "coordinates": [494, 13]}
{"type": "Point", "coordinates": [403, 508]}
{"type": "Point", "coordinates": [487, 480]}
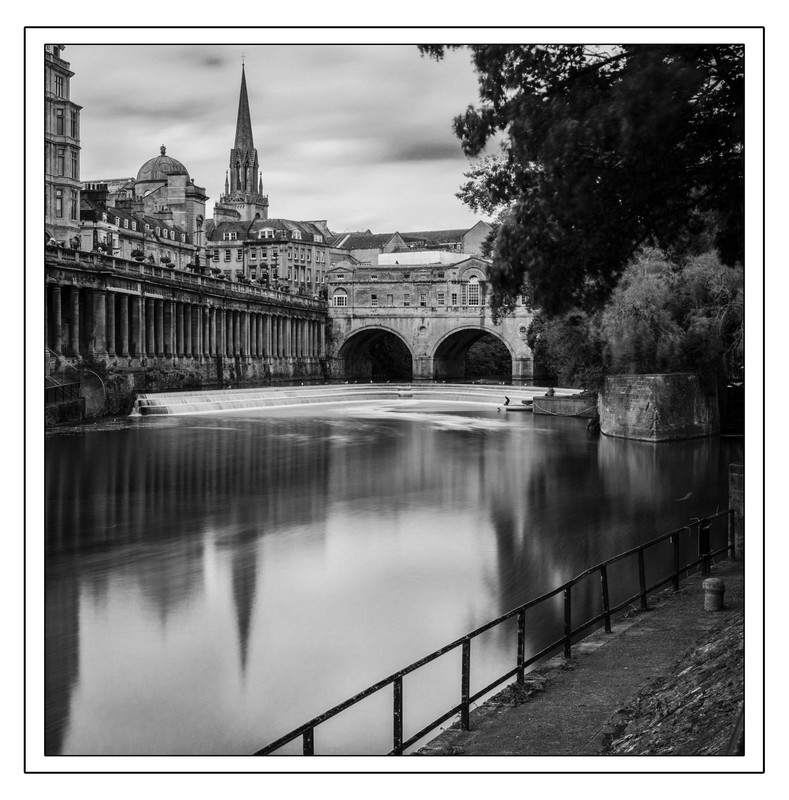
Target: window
{"type": "Point", "coordinates": [473, 292]}
{"type": "Point", "coordinates": [439, 274]}
{"type": "Point", "coordinates": [227, 255]}
{"type": "Point", "coordinates": [301, 254]}
{"type": "Point", "coordinates": [158, 231]}
{"type": "Point", "coordinates": [340, 276]}
{"type": "Point", "coordinates": [73, 124]}
{"type": "Point", "coordinates": [230, 236]}
{"type": "Point", "coordinates": [58, 202]}
{"type": "Point", "coordinates": [126, 224]}
{"type": "Point", "coordinates": [61, 163]}
{"type": "Point", "coordinates": [340, 298]}
{"type": "Point", "coordinates": [183, 237]}
{"type": "Point", "coordinates": [309, 276]}
{"type": "Point", "coordinates": [318, 237]}
{"type": "Point", "coordinates": [454, 298]}
{"type": "Point", "coordinates": [134, 225]}
{"type": "Point", "coordinates": [390, 299]}
{"type": "Point", "coordinates": [422, 299]}
{"type": "Point", "coordinates": [266, 233]}
{"type": "Point", "coordinates": [239, 254]}
{"type": "Point", "coordinates": [373, 299]}
{"type": "Point", "coordinates": [295, 235]}
{"type": "Point", "coordinates": [59, 122]}
{"type": "Point", "coordinates": [216, 255]}
{"type": "Point", "coordinates": [309, 256]}
{"type": "Point", "coordinates": [441, 298]}
{"type": "Point", "coordinates": [59, 85]}
{"type": "Point", "coordinates": [406, 276]}
{"type": "Point", "coordinates": [73, 204]}
{"type": "Point", "coordinates": [290, 253]}
{"type": "Point", "coordinates": [253, 254]}
{"type": "Point", "coordinates": [373, 277]}
{"type": "Point", "coordinates": [406, 299]}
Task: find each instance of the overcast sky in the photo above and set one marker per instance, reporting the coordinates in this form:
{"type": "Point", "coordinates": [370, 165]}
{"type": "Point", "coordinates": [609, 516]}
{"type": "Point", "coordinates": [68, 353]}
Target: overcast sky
{"type": "Point", "coordinates": [359, 135]}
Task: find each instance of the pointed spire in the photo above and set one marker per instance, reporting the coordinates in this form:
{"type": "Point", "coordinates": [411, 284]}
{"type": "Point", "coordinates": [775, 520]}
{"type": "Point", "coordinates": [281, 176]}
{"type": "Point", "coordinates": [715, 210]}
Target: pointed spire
{"type": "Point", "coordinates": [244, 122]}
{"type": "Point", "coordinates": [227, 185]}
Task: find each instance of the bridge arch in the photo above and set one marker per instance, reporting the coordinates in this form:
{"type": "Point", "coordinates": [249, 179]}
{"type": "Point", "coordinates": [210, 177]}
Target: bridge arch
{"type": "Point", "coordinates": [376, 352]}
{"type": "Point", "coordinates": [451, 350]}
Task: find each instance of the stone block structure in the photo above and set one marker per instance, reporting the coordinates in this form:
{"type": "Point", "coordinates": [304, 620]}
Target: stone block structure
{"type": "Point", "coordinates": [657, 408]}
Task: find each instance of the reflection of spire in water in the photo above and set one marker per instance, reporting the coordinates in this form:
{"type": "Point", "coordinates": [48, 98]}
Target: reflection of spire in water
{"type": "Point", "coordinates": [244, 576]}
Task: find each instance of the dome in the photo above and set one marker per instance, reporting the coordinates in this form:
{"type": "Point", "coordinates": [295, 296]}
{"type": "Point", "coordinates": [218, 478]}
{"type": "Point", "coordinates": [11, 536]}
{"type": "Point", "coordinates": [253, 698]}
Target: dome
{"type": "Point", "coordinates": [157, 169]}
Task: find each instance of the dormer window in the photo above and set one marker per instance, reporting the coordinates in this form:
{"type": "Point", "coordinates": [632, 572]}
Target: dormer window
{"type": "Point", "coordinates": [296, 235]}
{"type": "Point", "coordinates": [230, 236]}
{"type": "Point", "coordinates": [117, 220]}
{"type": "Point", "coordinates": [266, 233]}
{"type": "Point", "coordinates": [318, 237]}
{"type": "Point", "coordinates": [183, 237]}
{"type": "Point", "coordinates": [125, 223]}
{"type": "Point", "coordinates": [158, 231]}
{"type": "Point", "coordinates": [134, 225]}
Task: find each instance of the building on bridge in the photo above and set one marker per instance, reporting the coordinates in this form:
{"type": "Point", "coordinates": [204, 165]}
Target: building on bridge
{"type": "Point", "coordinates": [435, 303]}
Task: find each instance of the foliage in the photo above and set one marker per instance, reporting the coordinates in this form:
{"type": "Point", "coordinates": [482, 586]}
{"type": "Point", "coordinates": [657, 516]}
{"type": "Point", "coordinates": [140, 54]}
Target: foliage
{"type": "Point", "coordinates": [604, 150]}
{"type": "Point", "coordinates": [662, 317]}
{"type": "Point", "coordinates": [488, 357]}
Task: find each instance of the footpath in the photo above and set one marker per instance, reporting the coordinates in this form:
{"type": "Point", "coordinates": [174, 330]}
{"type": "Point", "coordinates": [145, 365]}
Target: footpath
{"type": "Point", "coordinates": [666, 681]}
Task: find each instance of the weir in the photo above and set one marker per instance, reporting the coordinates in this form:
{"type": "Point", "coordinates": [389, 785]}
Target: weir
{"type": "Point", "coordinates": [216, 401]}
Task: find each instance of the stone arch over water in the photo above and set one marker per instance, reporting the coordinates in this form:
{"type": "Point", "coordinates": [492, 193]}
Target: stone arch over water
{"type": "Point", "coordinates": [451, 351]}
{"type": "Point", "coordinates": [376, 353]}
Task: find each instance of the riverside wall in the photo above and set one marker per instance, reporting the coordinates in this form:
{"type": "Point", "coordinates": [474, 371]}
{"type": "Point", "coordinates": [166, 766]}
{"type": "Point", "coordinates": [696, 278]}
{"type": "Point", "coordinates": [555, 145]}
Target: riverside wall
{"type": "Point", "coordinates": [657, 408]}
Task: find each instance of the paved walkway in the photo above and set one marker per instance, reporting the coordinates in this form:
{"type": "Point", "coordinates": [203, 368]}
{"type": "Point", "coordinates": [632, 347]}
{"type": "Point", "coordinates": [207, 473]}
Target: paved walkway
{"type": "Point", "coordinates": [573, 708]}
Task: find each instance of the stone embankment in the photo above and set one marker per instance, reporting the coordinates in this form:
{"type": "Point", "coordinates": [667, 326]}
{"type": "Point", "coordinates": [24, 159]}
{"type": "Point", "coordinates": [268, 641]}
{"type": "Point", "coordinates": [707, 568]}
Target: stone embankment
{"type": "Point", "coordinates": [667, 681]}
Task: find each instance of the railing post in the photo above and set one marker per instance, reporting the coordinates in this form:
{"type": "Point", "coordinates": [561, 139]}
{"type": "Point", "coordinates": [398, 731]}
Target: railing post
{"type": "Point", "coordinates": [642, 581]}
{"type": "Point", "coordinates": [675, 547]}
{"type": "Point", "coordinates": [465, 686]}
{"type": "Point", "coordinates": [521, 643]}
{"type": "Point", "coordinates": [568, 624]}
{"type": "Point", "coordinates": [308, 742]}
{"type": "Point", "coordinates": [704, 546]}
{"type": "Point", "coordinates": [606, 601]}
{"type": "Point", "coordinates": [397, 717]}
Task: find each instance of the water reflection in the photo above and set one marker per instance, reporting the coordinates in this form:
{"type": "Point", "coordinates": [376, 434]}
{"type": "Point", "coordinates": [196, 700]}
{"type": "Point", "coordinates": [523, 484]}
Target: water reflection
{"type": "Point", "coordinates": [214, 581]}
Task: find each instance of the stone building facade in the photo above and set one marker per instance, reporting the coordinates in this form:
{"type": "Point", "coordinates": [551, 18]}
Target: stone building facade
{"type": "Point", "coordinates": [61, 151]}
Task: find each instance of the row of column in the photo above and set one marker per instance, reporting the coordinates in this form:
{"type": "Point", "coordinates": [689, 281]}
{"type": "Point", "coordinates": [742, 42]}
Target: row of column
{"type": "Point", "coordinates": [131, 325]}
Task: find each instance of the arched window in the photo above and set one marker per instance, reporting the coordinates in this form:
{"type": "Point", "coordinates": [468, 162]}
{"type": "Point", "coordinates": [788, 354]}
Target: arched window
{"type": "Point", "coordinates": [473, 291]}
{"type": "Point", "coordinates": [340, 297]}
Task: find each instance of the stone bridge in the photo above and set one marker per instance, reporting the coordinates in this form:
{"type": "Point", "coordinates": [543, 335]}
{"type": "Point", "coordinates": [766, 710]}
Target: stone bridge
{"type": "Point", "coordinates": [438, 311]}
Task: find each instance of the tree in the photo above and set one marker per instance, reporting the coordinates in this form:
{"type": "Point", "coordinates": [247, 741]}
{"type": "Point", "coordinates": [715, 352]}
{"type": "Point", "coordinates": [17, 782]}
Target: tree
{"type": "Point", "coordinates": [662, 317]}
{"type": "Point", "coordinates": [604, 150]}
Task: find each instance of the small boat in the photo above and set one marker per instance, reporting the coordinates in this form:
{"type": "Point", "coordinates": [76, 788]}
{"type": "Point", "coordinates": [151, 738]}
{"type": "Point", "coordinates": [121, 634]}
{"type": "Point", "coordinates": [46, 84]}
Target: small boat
{"type": "Point", "coordinates": [526, 405]}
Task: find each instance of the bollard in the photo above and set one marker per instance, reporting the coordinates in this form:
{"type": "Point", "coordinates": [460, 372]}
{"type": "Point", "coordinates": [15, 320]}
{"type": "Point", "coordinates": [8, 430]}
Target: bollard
{"type": "Point", "coordinates": [713, 594]}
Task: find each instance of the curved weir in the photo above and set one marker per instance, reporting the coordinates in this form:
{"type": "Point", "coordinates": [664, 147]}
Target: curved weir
{"type": "Point", "coordinates": [219, 400]}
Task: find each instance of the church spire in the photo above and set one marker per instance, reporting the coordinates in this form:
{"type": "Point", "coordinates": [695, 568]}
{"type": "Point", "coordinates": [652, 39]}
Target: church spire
{"type": "Point", "coordinates": [243, 123]}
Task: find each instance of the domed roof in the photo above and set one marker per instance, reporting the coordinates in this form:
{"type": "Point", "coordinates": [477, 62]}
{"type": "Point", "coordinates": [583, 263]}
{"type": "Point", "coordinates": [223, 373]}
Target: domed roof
{"type": "Point", "coordinates": [157, 169]}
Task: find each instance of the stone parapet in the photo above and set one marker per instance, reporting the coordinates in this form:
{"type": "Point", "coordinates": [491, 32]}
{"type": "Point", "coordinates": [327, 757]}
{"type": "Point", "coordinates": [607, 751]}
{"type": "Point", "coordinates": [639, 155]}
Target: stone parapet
{"type": "Point", "coordinates": [582, 406]}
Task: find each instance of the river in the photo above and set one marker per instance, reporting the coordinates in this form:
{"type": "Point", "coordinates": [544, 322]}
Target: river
{"type": "Point", "coordinates": [213, 581]}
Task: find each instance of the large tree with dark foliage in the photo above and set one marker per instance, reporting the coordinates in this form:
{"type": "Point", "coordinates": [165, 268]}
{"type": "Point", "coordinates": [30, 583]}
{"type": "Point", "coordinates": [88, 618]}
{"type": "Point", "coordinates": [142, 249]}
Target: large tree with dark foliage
{"type": "Point", "coordinates": [603, 150]}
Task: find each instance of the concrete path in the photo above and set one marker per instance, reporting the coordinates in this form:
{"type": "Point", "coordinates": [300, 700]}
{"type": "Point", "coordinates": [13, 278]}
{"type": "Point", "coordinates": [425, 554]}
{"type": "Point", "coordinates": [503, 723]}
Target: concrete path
{"type": "Point", "coordinates": [573, 709]}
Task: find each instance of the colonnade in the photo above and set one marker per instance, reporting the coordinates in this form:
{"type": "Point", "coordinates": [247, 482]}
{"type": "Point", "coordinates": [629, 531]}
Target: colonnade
{"type": "Point", "coordinates": [105, 322]}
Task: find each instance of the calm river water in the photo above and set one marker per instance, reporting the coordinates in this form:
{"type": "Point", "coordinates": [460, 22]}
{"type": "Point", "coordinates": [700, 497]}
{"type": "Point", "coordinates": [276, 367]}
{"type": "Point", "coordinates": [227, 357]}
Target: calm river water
{"type": "Point", "coordinates": [214, 581]}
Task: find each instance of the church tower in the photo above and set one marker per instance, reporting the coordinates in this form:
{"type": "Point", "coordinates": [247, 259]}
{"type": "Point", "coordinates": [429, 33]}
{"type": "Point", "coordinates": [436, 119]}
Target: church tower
{"type": "Point", "coordinates": [243, 198]}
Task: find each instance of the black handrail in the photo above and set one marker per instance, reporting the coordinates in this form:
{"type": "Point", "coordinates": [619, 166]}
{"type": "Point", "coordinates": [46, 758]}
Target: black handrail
{"type": "Point", "coordinates": [705, 556]}
{"type": "Point", "coordinates": [61, 393]}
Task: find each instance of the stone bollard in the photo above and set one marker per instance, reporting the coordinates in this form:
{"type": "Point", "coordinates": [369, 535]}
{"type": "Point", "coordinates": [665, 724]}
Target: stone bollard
{"type": "Point", "coordinates": [713, 594]}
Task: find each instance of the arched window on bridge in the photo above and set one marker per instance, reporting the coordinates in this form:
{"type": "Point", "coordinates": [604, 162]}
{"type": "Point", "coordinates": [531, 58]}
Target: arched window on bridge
{"type": "Point", "coordinates": [473, 291]}
{"type": "Point", "coordinates": [340, 297]}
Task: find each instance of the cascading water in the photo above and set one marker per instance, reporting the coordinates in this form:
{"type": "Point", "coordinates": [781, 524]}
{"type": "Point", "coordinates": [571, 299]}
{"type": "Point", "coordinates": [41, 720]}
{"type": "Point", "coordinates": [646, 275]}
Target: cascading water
{"type": "Point", "coordinates": [176, 403]}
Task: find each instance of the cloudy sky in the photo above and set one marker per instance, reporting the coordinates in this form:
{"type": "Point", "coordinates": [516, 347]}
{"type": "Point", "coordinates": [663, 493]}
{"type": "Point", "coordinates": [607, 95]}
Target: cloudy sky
{"type": "Point", "coordinates": [359, 135]}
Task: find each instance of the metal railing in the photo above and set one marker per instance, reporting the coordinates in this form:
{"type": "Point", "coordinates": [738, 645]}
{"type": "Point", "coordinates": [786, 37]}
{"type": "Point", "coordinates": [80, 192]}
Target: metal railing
{"type": "Point", "coordinates": [399, 744]}
{"type": "Point", "coordinates": [61, 393]}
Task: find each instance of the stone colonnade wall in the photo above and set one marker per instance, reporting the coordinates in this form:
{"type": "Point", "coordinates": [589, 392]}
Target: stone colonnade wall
{"type": "Point", "coordinates": [657, 408]}
{"type": "Point", "coordinates": [157, 324]}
